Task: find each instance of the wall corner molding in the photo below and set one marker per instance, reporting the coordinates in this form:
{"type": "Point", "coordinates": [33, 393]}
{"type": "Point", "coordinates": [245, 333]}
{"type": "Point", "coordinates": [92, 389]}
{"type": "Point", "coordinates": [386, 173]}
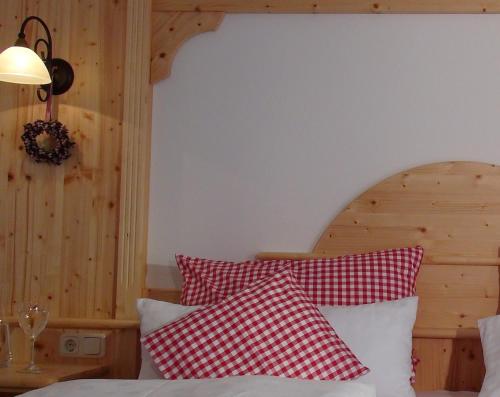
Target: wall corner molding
{"type": "Point", "coordinates": [172, 29]}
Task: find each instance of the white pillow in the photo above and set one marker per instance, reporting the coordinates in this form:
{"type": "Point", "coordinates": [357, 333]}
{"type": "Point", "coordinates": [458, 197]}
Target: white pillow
{"type": "Point", "coordinates": [153, 314]}
{"type": "Point", "coordinates": [490, 339]}
{"type": "Point", "coordinates": [380, 335]}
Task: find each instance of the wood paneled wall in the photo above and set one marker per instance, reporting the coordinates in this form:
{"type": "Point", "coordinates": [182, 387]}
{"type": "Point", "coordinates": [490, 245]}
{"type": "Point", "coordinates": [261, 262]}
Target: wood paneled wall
{"type": "Point", "coordinates": [73, 236]}
{"type": "Point", "coordinates": [60, 227]}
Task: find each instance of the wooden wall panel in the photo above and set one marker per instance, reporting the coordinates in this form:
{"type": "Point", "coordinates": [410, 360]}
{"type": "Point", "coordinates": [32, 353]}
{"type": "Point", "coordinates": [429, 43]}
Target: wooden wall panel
{"type": "Point", "coordinates": [456, 296]}
{"type": "Point", "coordinates": [449, 364]}
{"type": "Point", "coordinates": [61, 227]}
{"type": "Point", "coordinates": [73, 237]}
{"type": "Point", "coordinates": [121, 356]}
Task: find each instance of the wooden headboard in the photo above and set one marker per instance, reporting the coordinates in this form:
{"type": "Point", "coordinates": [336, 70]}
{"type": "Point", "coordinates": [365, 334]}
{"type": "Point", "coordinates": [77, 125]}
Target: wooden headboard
{"type": "Point", "coordinates": [452, 209]}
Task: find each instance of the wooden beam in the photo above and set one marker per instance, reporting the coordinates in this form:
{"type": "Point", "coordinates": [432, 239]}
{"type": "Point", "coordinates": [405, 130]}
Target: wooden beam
{"type": "Point", "coordinates": [170, 31]}
{"type": "Point", "coordinates": [332, 6]}
{"type": "Point", "coordinates": [84, 323]}
{"type": "Point", "coordinates": [446, 333]}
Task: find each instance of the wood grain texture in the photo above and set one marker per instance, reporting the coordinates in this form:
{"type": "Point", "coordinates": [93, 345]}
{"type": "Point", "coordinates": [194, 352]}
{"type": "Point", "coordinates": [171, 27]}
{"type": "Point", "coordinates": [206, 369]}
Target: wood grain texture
{"type": "Point", "coordinates": [331, 6]}
{"type": "Point", "coordinates": [170, 31]}
{"type": "Point", "coordinates": [73, 237]}
{"type": "Point", "coordinates": [58, 225]}
{"type": "Point", "coordinates": [451, 209]}
{"type": "Point", "coordinates": [121, 357]}
{"type": "Point", "coordinates": [136, 146]}
{"type": "Point", "coordinates": [167, 295]}
{"type": "Point", "coordinates": [449, 364]}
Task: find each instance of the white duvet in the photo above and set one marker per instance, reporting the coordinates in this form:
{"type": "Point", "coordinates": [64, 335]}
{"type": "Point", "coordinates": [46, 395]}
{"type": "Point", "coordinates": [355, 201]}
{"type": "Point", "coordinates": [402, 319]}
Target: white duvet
{"type": "Point", "coordinates": [245, 386]}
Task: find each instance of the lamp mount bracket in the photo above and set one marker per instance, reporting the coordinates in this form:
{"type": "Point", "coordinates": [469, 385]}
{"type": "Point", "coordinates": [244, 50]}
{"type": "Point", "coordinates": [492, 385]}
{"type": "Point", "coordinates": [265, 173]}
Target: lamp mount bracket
{"type": "Point", "coordinates": [61, 72]}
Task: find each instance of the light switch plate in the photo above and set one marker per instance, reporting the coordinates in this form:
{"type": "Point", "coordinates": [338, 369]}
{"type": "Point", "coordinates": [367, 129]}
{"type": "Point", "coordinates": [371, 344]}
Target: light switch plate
{"type": "Point", "coordinates": [89, 345]}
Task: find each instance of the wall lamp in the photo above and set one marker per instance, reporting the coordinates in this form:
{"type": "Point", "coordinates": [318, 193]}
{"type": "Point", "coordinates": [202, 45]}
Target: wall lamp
{"type": "Point", "coordinates": [19, 64]}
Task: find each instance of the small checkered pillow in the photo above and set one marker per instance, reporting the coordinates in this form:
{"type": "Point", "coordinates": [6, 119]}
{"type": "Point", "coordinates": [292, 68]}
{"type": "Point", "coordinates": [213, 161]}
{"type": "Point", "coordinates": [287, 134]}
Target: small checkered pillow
{"type": "Point", "coordinates": [270, 328]}
{"type": "Point", "coordinates": [347, 280]}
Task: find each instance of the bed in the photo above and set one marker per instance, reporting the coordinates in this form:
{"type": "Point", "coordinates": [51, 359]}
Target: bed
{"type": "Point", "coordinates": [452, 210]}
{"type": "Point", "coordinates": [154, 388]}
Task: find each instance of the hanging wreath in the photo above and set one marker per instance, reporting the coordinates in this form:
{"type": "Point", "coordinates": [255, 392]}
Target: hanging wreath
{"type": "Point", "coordinates": [47, 141]}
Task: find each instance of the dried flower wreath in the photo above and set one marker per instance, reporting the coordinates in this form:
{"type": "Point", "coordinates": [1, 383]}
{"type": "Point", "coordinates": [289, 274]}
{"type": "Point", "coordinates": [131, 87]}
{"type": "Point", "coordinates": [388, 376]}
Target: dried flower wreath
{"type": "Point", "coordinates": [57, 133]}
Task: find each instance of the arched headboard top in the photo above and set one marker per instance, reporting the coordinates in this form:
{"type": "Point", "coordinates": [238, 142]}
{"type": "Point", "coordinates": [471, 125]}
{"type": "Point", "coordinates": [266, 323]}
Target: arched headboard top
{"type": "Point", "coordinates": [452, 209]}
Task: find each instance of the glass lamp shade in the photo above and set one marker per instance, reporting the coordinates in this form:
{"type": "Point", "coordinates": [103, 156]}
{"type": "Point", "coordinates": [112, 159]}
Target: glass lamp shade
{"type": "Point", "coordinates": [23, 66]}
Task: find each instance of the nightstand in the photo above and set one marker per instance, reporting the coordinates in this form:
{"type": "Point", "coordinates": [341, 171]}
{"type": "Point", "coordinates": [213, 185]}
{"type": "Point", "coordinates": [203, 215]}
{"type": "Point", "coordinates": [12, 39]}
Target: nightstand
{"type": "Point", "coordinates": [13, 382]}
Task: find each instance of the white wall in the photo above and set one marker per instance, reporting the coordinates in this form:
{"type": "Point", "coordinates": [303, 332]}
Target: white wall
{"type": "Point", "coordinates": [270, 126]}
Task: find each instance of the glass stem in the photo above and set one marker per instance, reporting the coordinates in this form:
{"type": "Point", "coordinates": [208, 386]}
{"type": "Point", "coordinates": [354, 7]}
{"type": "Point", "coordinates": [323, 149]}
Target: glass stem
{"type": "Point", "coordinates": [32, 362]}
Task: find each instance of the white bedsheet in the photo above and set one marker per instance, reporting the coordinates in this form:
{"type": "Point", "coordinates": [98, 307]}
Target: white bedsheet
{"type": "Point", "coordinates": [246, 386]}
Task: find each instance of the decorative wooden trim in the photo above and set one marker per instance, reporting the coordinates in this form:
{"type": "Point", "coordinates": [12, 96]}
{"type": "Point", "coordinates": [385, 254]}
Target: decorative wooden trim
{"type": "Point", "coordinates": [446, 333]}
{"type": "Point", "coordinates": [332, 6]}
{"type": "Point", "coordinates": [176, 21]}
{"type": "Point", "coordinates": [170, 31]}
{"type": "Point", "coordinates": [136, 147]}
{"type": "Point", "coordinates": [85, 323]}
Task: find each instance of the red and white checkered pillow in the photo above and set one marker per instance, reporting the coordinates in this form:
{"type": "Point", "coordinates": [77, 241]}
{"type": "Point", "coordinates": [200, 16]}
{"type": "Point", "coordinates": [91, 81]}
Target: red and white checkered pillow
{"type": "Point", "coordinates": [270, 328]}
{"type": "Point", "coordinates": [347, 280]}
{"type": "Point", "coordinates": [209, 281]}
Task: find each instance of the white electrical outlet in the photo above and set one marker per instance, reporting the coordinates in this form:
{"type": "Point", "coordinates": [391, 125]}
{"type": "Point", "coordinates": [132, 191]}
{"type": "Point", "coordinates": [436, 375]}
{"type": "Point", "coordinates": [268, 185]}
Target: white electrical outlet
{"type": "Point", "coordinates": [90, 345]}
{"type": "Point", "coordinates": [69, 345]}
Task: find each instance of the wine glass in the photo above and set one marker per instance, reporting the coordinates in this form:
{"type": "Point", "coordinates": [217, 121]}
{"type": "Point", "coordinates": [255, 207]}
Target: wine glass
{"type": "Point", "coordinates": [32, 319]}
{"type": "Point", "coordinates": [5, 350]}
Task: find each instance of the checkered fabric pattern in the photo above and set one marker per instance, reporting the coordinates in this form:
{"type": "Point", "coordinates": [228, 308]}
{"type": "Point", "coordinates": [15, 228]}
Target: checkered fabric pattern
{"type": "Point", "coordinates": [414, 362]}
{"type": "Point", "coordinates": [360, 279]}
{"type": "Point", "coordinates": [270, 328]}
{"type": "Point", "coordinates": [347, 280]}
{"type": "Point", "coordinates": [207, 281]}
